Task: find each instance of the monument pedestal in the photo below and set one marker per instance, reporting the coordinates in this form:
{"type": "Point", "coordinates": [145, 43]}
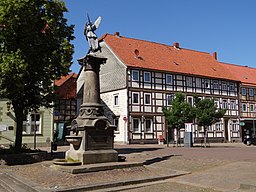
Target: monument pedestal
{"type": "Point", "coordinates": [95, 129]}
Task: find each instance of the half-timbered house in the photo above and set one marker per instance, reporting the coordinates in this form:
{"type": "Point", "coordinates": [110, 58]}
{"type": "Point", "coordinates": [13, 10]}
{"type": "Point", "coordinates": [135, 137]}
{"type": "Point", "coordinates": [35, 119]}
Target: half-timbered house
{"type": "Point", "coordinates": [65, 105]}
{"type": "Point", "coordinates": [247, 98]}
{"type": "Point", "coordinates": [141, 77]}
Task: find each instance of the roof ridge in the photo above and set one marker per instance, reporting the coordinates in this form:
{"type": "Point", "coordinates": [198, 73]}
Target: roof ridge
{"type": "Point", "coordinates": [236, 65]}
{"type": "Point", "coordinates": [65, 78]}
{"type": "Point", "coordinates": [166, 45]}
{"type": "Point", "coordinates": [158, 56]}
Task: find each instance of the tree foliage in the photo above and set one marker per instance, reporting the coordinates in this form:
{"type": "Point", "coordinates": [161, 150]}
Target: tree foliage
{"type": "Point", "coordinates": [179, 113]}
{"type": "Point", "coordinates": [204, 113]}
{"type": "Point", "coordinates": [207, 114]}
{"type": "Point", "coordinates": [35, 51]}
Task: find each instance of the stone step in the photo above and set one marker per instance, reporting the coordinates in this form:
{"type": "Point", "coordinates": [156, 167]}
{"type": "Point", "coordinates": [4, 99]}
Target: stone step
{"type": "Point", "coordinates": [10, 184]}
{"type": "Point", "coordinates": [249, 186]}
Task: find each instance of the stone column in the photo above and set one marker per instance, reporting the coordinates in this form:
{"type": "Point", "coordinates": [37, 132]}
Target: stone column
{"type": "Point", "coordinates": [96, 130]}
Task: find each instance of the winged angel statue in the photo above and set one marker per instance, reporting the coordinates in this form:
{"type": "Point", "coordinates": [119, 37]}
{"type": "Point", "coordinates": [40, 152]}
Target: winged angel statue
{"type": "Point", "coordinates": [90, 35]}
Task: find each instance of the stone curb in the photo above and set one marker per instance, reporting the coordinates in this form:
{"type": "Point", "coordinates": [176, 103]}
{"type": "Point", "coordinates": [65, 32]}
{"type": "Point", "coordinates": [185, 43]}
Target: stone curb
{"type": "Point", "coordinates": [96, 167]}
{"type": "Point", "coordinates": [12, 183]}
{"type": "Point", "coordinates": [248, 186]}
{"type": "Point", "coordinates": [122, 183]}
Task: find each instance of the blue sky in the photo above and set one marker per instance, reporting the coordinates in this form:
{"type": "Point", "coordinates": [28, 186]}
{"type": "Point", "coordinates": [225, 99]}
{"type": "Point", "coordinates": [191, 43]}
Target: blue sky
{"type": "Point", "coordinates": [225, 26]}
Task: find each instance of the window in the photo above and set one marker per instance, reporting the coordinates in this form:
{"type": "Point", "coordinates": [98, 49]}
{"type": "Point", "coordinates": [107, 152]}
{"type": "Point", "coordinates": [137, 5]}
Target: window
{"type": "Point", "coordinates": [224, 104]}
{"type": "Point", "coordinates": [232, 104]}
{"type": "Point", "coordinates": [189, 81]}
{"type": "Point", "coordinates": [149, 127]}
{"type": "Point", "coordinates": [216, 102]}
{"type": "Point", "coordinates": [147, 98]}
{"type": "Point", "coordinates": [147, 77]}
{"type": "Point", "coordinates": [135, 98]}
{"type": "Point", "coordinates": [234, 126]}
{"type": "Point", "coordinates": [251, 108]}
{"type": "Point", "coordinates": [116, 100]}
{"type": "Point", "coordinates": [244, 108]}
{"type": "Point", "coordinates": [31, 123]}
{"type": "Point", "coordinates": [198, 82]}
{"type": "Point", "coordinates": [116, 122]}
{"type": "Point", "coordinates": [190, 100]}
{"type": "Point", "coordinates": [136, 125]}
{"type": "Point", "coordinates": [169, 99]}
{"type": "Point", "coordinates": [218, 127]}
{"type": "Point", "coordinates": [215, 84]}
{"type": "Point", "coordinates": [210, 128]}
{"type": "Point", "coordinates": [243, 91]}
{"type": "Point", "coordinates": [251, 92]}
{"type": "Point", "coordinates": [169, 79]}
{"type": "Point", "coordinates": [135, 75]}
{"type": "Point", "coordinates": [206, 83]}
{"type": "Point", "coordinates": [231, 86]}
{"type": "Point", "coordinates": [65, 110]}
{"type": "Point", "coordinates": [224, 85]}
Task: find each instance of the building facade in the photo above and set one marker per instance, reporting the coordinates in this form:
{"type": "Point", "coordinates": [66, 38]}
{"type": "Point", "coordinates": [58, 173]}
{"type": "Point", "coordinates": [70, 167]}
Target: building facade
{"type": "Point", "coordinates": [247, 98]}
{"type": "Point", "coordinates": [41, 121]}
{"type": "Point", "coordinates": [65, 106]}
{"type": "Point", "coordinates": [141, 77]}
{"type": "Point", "coordinates": [46, 120]}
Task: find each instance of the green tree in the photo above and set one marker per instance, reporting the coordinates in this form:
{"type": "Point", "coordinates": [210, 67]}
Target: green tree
{"type": "Point", "coordinates": [35, 51]}
{"type": "Point", "coordinates": [207, 114]}
{"type": "Point", "coordinates": [178, 114]}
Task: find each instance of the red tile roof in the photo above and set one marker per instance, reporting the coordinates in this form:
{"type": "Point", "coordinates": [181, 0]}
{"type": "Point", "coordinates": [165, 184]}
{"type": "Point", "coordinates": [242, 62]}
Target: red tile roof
{"type": "Point", "coordinates": [63, 79]}
{"type": "Point", "coordinates": [66, 87]}
{"type": "Point", "coordinates": [162, 57]}
{"type": "Point", "coordinates": [246, 75]}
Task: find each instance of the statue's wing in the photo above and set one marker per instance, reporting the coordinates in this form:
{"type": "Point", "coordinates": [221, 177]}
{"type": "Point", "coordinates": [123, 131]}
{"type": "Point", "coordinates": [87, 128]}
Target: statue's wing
{"type": "Point", "coordinates": [97, 22]}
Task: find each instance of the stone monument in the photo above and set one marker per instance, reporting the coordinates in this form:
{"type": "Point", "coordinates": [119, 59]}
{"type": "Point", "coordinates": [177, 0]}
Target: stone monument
{"type": "Point", "coordinates": [92, 135]}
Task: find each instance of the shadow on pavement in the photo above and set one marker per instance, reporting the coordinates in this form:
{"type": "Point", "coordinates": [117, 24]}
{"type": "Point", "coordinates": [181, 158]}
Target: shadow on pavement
{"type": "Point", "coordinates": [56, 155]}
{"type": "Point", "coordinates": [157, 159]}
{"type": "Point", "coordinates": [135, 150]}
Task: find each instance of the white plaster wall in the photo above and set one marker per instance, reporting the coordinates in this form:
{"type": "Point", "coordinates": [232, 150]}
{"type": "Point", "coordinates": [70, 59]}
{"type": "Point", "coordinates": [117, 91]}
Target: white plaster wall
{"type": "Point", "coordinates": [120, 110]}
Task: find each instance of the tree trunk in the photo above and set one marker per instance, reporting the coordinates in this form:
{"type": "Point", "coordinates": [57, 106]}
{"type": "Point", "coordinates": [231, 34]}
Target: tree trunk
{"type": "Point", "coordinates": [178, 137]}
{"type": "Point", "coordinates": [205, 134]}
{"type": "Point", "coordinates": [19, 125]}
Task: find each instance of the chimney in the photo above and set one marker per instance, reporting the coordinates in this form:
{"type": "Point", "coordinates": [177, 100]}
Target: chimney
{"type": "Point", "coordinates": [117, 34]}
{"type": "Point", "coordinates": [176, 45]}
{"type": "Point", "coordinates": [214, 54]}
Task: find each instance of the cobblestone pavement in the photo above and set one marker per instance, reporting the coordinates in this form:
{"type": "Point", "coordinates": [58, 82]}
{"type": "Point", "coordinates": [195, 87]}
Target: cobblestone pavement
{"type": "Point", "coordinates": [221, 167]}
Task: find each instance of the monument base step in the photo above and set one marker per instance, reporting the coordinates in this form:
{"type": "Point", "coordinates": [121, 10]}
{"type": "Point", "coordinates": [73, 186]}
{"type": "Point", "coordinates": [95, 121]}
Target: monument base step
{"type": "Point", "coordinates": [96, 167]}
{"type": "Point", "coordinates": [92, 156]}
